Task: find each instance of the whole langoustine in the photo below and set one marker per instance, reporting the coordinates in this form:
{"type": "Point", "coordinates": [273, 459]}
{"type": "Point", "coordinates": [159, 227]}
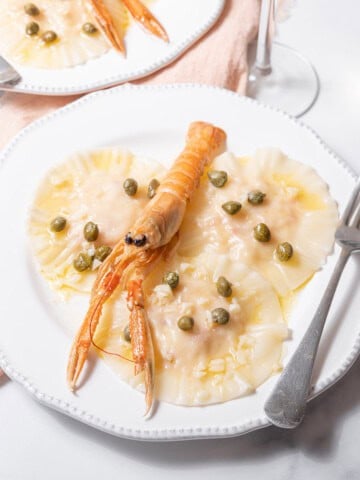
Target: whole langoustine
{"type": "Point", "coordinates": [153, 235]}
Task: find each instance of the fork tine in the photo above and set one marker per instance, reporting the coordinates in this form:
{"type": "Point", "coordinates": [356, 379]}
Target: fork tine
{"type": "Point", "coordinates": [349, 210]}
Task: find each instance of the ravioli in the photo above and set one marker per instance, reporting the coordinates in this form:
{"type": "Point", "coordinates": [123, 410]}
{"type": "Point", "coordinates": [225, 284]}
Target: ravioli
{"type": "Point", "coordinates": [65, 17]}
{"type": "Point", "coordinates": [298, 209]}
{"type": "Point", "coordinates": [87, 187]}
{"type": "Point", "coordinates": [211, 363]}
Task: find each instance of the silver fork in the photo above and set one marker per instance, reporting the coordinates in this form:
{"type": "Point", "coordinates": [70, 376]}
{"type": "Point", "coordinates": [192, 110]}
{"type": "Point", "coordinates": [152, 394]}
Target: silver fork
{"type": "Point", "coordinates": [286, 405]}
{"type": "Point", "coordinates": [8, 75]}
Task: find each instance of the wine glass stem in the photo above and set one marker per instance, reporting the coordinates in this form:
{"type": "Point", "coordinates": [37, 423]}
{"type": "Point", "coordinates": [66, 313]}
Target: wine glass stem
{"type": "Point", "coordinates": [263, 51]}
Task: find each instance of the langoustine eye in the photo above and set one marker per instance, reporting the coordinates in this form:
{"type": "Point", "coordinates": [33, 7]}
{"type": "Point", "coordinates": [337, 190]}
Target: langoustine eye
{"type": "Point", "coordinates": [128, 239]}
{"type": "Point", "coordinates": [140, 240]}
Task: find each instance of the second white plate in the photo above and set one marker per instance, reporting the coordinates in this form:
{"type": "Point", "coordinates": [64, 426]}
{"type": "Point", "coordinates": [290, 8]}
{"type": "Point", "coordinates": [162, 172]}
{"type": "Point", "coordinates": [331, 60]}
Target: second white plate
{"type": "Point", "coordinates": [151, 122]}
{"type": "Point", "coordinates": [185, 21]}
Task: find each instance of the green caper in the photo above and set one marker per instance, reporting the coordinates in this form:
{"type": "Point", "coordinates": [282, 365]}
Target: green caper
{"type": "Point", "coordinates": [82, 262]}
{"type": "Point", "coordinates": [220, 316]}
{"type": "Point", "coordinates": [127, 335]}
{"type": "Point", "coordinates": [223, 287]}
{"type": "Point", "coordinates": [102, 252]}
{"type": "Point", "coordinates": [31, 9]}
{"type": "Point", "coordinates": [231, 207]}
{"type": "Point", "coordinates": [185, 323]}
{"type": "Point", "coordinates": [32, 28]}
{"type": "Point", "coordinates": [130, 186]}
{"type": "Point", "coordinates": [217, 177]}
{"type": "Point", "coordinates": [153, 186]}
{"type": "Point", "coordinates": [255, 197]}
{"type": "Point", "coordinates": [91, 232]}
{"type": "Point", "coordinates": [58, 224]}
{"type": "Point", "coordinates": [284, 251]}
{"type": "Point", "coordinates": [262, 232]}
{"type": "Point", "coordinates": [49, 37]}
{"type": "Point", "coordinates": [172, 279]}
{"type": "Point", "coordinates": [89, 28]}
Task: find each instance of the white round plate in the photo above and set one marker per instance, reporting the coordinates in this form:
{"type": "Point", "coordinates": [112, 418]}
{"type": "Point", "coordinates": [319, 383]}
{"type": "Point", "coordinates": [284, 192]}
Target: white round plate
{"type": "Point", "coordinates": [151, 121]}
{"type": "Point", "coordinates": [185, 22]}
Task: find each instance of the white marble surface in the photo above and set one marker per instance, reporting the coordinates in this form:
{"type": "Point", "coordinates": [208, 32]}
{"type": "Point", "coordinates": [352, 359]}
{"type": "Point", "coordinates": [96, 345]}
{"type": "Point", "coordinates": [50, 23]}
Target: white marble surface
{"type": "Point", "coordinates": [37, 444]}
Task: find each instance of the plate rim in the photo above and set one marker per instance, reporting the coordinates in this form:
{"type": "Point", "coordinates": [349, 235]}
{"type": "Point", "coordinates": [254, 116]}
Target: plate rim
{"type": "Point", "coordinates": [164, 61]}
{"type": "Point", "coordinates": [166, 434]}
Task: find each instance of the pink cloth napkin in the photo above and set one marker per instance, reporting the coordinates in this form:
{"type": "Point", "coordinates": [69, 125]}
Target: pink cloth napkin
{"type": "Point", "coordinates": [219, 58]}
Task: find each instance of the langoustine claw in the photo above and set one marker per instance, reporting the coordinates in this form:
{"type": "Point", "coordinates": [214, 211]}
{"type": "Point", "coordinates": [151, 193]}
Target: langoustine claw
{"type": "Point", "coordinates": [107, 24]}
{"type": "Point", "coordinates": [140, 13]}
{"type": "Point", "coordinates": [146, 18]}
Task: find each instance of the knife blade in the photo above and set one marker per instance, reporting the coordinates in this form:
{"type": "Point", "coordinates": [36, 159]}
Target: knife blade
{"type": "Point", "coordinates": [8, 75]}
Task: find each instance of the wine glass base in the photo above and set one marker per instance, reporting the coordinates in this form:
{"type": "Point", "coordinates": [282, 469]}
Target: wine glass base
{"type": "Point", "coordinates": [291, 85]}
